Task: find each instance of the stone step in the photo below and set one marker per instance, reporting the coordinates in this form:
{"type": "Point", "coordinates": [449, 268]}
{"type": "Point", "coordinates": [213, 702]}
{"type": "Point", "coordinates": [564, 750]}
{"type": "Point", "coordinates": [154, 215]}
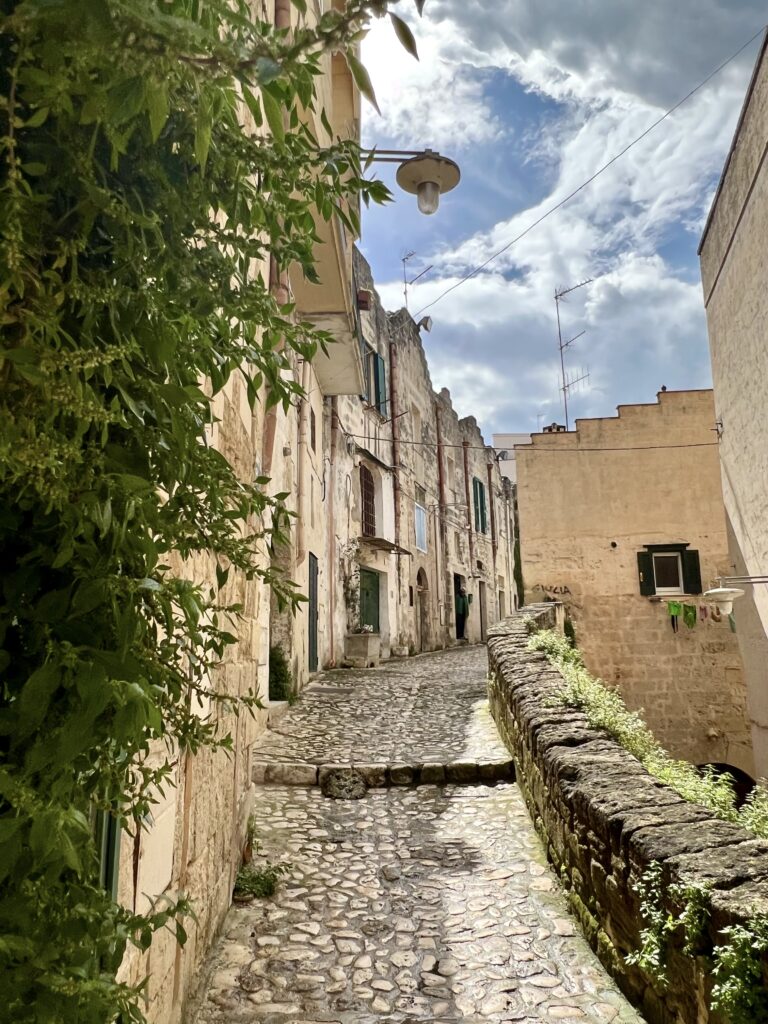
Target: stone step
{"type": "Point", "coordinates": [378, 776]}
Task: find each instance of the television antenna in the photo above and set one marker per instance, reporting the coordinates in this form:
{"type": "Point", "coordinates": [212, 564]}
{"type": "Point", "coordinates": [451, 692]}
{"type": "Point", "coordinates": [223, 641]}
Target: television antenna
{"type": "Point", "coordinates": [568, 383]}
{"type": "Point", "coordinates": [406, 283]}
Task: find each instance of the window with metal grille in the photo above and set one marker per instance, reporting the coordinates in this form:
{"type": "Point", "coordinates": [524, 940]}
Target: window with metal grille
{"type": "Point", "coordinates": [368, 497]}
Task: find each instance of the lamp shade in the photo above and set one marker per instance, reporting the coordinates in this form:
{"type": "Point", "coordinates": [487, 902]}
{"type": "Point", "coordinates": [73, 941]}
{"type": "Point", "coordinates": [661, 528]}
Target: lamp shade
{"type": "Point", "coordinates": [428, 176]}
{"type": "Point", "coordinates": [723, 598]}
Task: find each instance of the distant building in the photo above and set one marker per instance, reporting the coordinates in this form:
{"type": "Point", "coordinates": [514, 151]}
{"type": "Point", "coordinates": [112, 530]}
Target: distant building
{"type": "Point", "coordinates": [735, 280]}
{"type": "Point", "coordinates": [617, 518]}
{"type": "Point", "coordinates": [504, 446]}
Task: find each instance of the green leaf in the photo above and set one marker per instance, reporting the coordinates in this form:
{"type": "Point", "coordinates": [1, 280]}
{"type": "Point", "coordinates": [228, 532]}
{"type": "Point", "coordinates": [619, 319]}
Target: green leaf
{"type": "Point", "coordinates": [125, 100]}
{"type": "Point", "coordinates": [34, 170]}
{"type": "Point", "coordinates": [35, 698]}
{"type": "Point", "coordinates": [203, 129]}
{"type": "Point", "coordinates": [404, 34]}
{"type": "Point", "coordinates": [157, 107]}
{"type": "Point", "coordinates": [420, 6]}
{"type": "Point", "coordinates": [38, 118]}
{"type": "Point", "coordinates": [362, 80]}
{"type": "Point", "coordinates": [267, 70]}
{"type": "Point", "coordinates": [274, 114]}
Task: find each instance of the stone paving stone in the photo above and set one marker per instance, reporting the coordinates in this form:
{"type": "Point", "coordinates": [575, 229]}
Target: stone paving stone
{"type": "Point", "coordinates": [411, 904]}
{"type": "Point", "coordinates": [431, 710]}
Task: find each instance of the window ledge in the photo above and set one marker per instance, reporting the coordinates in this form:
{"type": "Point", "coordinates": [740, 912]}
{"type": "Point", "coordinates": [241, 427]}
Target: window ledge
{"type": "Point", "coordinates": [658, 598]}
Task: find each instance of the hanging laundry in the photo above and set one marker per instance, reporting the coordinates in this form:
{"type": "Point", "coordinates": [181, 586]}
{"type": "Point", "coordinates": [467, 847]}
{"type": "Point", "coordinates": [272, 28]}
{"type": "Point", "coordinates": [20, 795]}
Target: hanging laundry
{"type": "Point", "coordinates": [703, 612]}
{"type": "Point", "coordinates": [674, 608]}
{"type": "Point", "coordinates": [732, 622]}
{"type": "Point", "coordinates": [689, 615]}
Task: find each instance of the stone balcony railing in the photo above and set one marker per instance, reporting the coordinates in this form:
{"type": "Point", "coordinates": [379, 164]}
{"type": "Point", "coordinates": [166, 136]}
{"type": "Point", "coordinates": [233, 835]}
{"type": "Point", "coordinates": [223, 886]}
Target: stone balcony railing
{"type": "Point", "coordinates": [604, 820]}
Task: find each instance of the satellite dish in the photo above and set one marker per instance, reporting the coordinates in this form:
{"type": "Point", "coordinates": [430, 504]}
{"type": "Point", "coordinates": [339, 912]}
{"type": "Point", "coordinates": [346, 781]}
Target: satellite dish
{"type": "Point", "coordinates": [426, 323]}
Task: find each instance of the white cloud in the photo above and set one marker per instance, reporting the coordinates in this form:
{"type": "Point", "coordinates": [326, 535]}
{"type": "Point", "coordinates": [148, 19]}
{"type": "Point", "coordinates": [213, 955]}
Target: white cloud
{"type": "Point", "coordinates": [612, 67]}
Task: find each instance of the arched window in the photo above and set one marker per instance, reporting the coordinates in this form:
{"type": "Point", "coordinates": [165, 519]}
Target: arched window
{"type": "Point", "coordinates": [368, 498]}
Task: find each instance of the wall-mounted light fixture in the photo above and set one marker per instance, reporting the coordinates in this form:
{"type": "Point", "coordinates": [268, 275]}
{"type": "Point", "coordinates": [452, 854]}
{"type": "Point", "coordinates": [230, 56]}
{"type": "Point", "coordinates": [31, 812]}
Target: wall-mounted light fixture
{"type": "Point", "coordinates": [424, 173]}
{"type": "Point", "coordinates": [728, 590]}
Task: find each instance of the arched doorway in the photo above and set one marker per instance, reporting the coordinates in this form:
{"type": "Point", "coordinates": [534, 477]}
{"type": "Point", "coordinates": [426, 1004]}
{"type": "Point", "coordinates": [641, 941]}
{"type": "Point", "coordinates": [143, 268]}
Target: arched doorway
{"type": "Point", "coordinates": [743, 783]}
{"type": "Point", "coordinates": [422, 611]}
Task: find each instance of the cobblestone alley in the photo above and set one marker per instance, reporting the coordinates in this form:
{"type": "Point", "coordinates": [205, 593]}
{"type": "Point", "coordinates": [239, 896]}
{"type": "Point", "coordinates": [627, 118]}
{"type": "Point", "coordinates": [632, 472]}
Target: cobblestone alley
{"type": "Point", "coordinates": [415, 903]}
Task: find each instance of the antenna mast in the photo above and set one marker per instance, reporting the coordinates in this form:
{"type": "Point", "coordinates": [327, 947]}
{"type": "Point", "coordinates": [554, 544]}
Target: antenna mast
{"type": "Point", "coordinates": [406, 282]}
{"type": "Point", "coordinates": [563, 345]}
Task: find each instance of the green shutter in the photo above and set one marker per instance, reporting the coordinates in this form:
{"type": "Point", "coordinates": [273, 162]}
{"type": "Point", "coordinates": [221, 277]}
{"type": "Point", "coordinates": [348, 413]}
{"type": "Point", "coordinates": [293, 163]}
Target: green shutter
{"type": "Point", "coordinates": [108, 841]}
{"type": "Point", "coordinates": [484, 510]}
{"type": "Point", "coordinates": [381, 385]}
{"type": "Point", "coordinates": [691, 572]}
{"type": "Point", "coordinates": [645, 573]}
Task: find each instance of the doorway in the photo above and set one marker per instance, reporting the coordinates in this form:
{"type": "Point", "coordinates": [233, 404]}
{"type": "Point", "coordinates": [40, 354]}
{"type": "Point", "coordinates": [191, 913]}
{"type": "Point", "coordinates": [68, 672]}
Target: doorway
{"type": "Point", "coordinates": [483, 612]}
{"type": "Point", "coordinates": [369, 600]}
{"type": "Point", "coordinates": [422, 611]}
{"type": "Point", "coordinates": [460, 607]}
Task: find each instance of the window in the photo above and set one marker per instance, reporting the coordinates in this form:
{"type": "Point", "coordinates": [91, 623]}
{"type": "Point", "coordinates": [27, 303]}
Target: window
{"type": "Point", "coordinates": [376, 379]}
{"type": "Point", "coordinates": [368, 500]}
{"type": "Point", "coordinates": [420, 519]}
{"type": "Point", "coordinates": [665, 569]}
{"type": "Point", "coordinates": [478, 491]}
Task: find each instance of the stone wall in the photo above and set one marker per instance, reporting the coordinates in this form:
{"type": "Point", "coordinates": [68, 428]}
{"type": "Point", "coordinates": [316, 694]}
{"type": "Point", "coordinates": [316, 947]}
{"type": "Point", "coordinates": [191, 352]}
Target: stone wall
{"type": "Point", "coordinates": [733, 275]}
{"type": "Point", "coordinates": [603, 820]}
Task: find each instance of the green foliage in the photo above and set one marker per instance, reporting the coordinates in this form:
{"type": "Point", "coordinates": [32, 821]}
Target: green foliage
{"type": "Point", "coordinates": [135, 207]}
{"type": "Point", "coordinates": [605, 709]}
{"type": "Point", "coordinates": [753, 814]}
{"type": "Point", "coordinates": [739, 992]}
{"type": "Point", "coordinates": [281, 683]}
{"type": "Point", "coordinates": [259, 881]}
{"type": "Point", "coordinates": [651, 957]}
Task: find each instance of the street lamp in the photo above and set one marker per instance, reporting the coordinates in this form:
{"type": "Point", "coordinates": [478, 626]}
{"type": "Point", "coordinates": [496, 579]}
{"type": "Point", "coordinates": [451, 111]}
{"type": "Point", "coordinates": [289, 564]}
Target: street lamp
{"type": "Point", "coordinates": [424, 173]}
{"type": "Point", "coordinates": [724, 594]}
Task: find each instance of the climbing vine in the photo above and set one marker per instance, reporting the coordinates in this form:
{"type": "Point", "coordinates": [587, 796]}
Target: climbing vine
{"type": "Point", "coordinates": [153, 155]}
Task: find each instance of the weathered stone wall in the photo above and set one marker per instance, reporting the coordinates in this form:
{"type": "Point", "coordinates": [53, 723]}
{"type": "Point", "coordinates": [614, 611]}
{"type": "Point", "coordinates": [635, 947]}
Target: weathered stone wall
{"type": "Point", "coordinates": [589, 501]}
{"type": "Point", "coordinates": [603, 820]}
{"type": "Point", "coordinates": [734, 280]}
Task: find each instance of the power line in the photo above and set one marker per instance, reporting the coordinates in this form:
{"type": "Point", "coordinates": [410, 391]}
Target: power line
{"type": "Point", "coordinates": [559, 451]}
{"type": "Point", "coordinates": [597, 174]}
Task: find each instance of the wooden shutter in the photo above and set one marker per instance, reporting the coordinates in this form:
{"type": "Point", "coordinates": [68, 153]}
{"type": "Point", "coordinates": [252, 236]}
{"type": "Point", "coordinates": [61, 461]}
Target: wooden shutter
{"type": "Point", "coordinates": [645, 573]}
{"type": "Point", "coordinates": [381, 385]}
{"type": "Point", "coordinates": [108, 842]}
{"type": "Point", "coordinates": [483, 510]}
{"type": "Point", "coordinates": [691, 572]}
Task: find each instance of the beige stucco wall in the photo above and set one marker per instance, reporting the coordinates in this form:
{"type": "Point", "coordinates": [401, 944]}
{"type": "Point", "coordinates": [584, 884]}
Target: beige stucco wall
{"type": "Point", "coordinates": [734, 272]}
{"type": "Point", "coordinates": [585, 512]}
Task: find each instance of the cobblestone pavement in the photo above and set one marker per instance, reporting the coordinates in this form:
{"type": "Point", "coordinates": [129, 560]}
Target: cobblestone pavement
{"type": "Point", "coordinates": [414, 904]}
{"type": "Point", "coordinates": [429, 903]}
{"type": "Point", "coordinates": [430, 709]}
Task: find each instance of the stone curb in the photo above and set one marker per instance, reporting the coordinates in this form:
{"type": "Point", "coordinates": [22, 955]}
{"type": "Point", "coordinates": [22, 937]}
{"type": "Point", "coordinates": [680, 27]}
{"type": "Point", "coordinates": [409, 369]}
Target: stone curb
{"type": "Point", "coordinates": [381, 776]}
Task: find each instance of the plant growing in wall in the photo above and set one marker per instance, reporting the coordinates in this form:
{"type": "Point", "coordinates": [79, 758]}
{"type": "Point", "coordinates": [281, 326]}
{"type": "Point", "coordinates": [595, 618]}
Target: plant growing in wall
{"type": "Point", "coordinates": [350, 578]}
{"type": "Point", "coordinates": [134, 206]}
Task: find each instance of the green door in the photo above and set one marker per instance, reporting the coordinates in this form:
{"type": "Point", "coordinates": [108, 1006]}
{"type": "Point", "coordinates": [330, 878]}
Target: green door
{"type": "Point", "coordinates": [369, 599]}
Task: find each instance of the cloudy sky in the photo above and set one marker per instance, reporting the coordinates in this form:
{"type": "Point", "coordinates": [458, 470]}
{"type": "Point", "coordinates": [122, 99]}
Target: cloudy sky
{"type": "Point", "coordinates": [530, 97]}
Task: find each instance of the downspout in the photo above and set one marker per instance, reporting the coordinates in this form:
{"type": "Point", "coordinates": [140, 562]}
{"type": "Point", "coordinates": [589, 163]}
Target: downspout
{"type": "Point", "coordinates": [492, 503]}
{"type": "Point", "coordinates": [465, 446]}
{"type": "Point", "coordinates": [301, 468]}
{"type": "Point", "coordinates": [441, 553]}
{"type": "Point", "coordinates": [395, 453]}
{"type": "Point", "coordinates": [331, 531]}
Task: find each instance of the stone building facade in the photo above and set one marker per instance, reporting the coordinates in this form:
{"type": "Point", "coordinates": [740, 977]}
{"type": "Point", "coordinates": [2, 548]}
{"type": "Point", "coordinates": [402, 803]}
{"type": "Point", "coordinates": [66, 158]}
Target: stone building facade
{"type": "Point", "coordinates": [618, 518]}
{"type": "Point", "coordinates": [193, 843]}
{"type": "Point", "coordinates": [735, 282]}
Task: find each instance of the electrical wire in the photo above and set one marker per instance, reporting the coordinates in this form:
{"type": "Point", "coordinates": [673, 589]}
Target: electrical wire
{"type": "Point", "coordinates": [561, 451]}
{"type": "Point", "coordinates": [598, 172]}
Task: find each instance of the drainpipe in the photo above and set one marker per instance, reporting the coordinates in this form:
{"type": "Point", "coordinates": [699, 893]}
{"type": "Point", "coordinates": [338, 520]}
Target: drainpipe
{"type": "Point", "coordinates": [441, 553]}
{"type": "Point", "coordinates": [492, 503]}
{"type": "Point", "coordinates": [331, 532]}
{"type": "Point", "coordinates": [465, 446]}
{"type": "Point", "coordinates": [395, 452]}
{"type": "Point", "coordinates": [301, 468]}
